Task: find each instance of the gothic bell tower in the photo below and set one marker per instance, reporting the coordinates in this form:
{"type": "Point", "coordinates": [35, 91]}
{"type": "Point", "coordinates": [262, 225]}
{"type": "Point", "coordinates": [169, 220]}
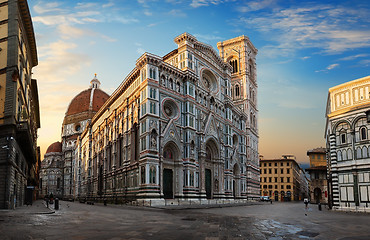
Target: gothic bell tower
{"type": "Point", "coordinates": [240, 53]}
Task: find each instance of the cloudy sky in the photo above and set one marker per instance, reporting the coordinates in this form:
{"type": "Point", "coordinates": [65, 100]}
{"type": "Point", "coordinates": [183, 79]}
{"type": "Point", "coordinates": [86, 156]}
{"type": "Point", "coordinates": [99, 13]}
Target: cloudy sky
{"type": "Point", "coordinates": [305, 47]}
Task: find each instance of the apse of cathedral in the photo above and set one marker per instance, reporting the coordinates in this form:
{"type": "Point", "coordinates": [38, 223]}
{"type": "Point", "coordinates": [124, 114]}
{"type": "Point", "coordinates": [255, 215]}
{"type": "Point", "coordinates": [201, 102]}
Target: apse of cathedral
{"type": "Point", "coordinates": [182, 126]}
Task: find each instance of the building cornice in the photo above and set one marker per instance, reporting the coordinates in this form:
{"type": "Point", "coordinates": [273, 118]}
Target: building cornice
{"type": "Point", "coordinates": [27, 22]}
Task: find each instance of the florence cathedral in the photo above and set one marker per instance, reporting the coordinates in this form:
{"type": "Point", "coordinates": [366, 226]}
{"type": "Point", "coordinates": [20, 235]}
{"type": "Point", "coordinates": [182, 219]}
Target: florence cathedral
{"type": "Point", "coordinates": [182, 126]}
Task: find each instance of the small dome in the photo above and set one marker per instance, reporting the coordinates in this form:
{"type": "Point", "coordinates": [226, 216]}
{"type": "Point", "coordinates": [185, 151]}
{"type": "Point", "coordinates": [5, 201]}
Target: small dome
{"type": "Point", "coordinates": [55, 147]}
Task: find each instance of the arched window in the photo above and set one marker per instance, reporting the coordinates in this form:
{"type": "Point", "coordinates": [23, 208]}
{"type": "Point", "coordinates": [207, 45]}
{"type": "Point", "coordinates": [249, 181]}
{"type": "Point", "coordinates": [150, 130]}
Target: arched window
{"type": "Point", "coordinates": [234, 64]}
{"type": "Point", "coordinates": [178, 88]}
{"type": "Point", "coordinates": [364, 152]}
{"type": "Point", "coordinates": [339, 156]}
{"type": "Point", "coordinates": [358, 153]}
{"type": "Point", "coordinates": [171, 83]}
{"type": "Point", "coordinates": [349, 154]}
{"type": "Point", "coordinates": [152, 174]}
{"type": "Point", "coordinates": [341, 133]}
{"type": "Point", "coordinates": [344, 155]}
{"type": "Point", "coordinates": [363, 133]}
{"type": "Point", "coordinates": [237, 91]}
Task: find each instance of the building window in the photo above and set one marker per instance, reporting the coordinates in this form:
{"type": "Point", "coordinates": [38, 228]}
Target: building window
{"type": "Point", "coordinates": [152, 93]}
{"type": "Point", "coordinates": [282, 171]}
{"type": "Point", "coordinates": [269, 170]}
{"type": "Point", "coordinates": [276, 179]}
{"type": "Point", "coordinates": [237, 91]}
{"type": "Point", "coordinates": [270, 179]}
{"type": "Point", "coordinates": [288, 179]}
{"type": "Point", "coordinates": [152, 108]}
{"type": "Point", "coordinates": [143, 143]}
{"type": "Point", "coordinates": [363, 135]}
{"type": "Point", "coordinates": [152, 174]}
{"type": "Point", "coordinates": [142, 175]}
{"type": "Point", "coordinates": [282, 179]}
{"type": "Point", "coordinates": [265, 171]}
{"type": "Point", "coordinates": [288, 171]}
{"type": "Point", "coordinates": [234, 64]}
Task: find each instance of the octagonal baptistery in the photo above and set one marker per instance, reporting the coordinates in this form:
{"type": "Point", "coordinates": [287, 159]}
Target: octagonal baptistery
{"type": "Point", "coordinates": [80, 110]}
{"type": "Point", "coordinates": [51, 171]}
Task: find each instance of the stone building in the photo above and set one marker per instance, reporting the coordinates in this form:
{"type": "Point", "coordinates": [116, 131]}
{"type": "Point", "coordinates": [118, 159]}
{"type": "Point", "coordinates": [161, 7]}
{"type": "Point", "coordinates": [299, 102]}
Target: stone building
{"type": "Point", "coordinates": [51, 174]}
{"type": "Point", "coordinates": [78, 115]}
{"type": "Point", "coordinates": [283, 179]}
{"type": "Point", "coordinates": [57, 163]}
{"type": "Point", "coordinates": [318, 175]}
{"type": "Point", "coordinates": [182, 126]}
{"type": "Point", "coordinates": [19, 106]}
{"type": "Point", "coordinates": [348, 144]}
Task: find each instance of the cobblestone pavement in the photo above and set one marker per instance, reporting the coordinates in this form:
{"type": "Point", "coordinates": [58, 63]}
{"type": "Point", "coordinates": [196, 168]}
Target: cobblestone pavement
{"type": "Point", "coordinates": [262, 221]}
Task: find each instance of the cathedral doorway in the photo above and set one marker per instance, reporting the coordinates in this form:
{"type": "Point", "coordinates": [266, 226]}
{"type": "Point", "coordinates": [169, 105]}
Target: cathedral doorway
{"type": "Point", "coordinates": [168, 183]}
{"type": "Point", "coordinates": [317, 194]}
{"type": "Point", "coordinates": [211, 157]}
{"type": "Point", "coordinates": [236, 172]}
{"type": "Point", "coordinates": [208, 183]}
{"type": "Point", "coordinates": [170, 166]}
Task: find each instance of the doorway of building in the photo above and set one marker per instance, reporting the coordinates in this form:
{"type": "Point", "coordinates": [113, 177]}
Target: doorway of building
{"type": "Point", "coordinates": [208, 184]}
{"type": "Point", "coordinates": [317, 195]}
{"type": "Point", "coordinates": [168, 183]}
{"type": "Point", "coordinates": [234, 191]}
{"type": "Point", "coordinates": [276, 193]}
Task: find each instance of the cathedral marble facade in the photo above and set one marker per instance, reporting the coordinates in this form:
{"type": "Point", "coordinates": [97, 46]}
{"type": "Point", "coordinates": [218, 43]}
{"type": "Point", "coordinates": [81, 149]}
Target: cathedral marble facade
{"type": "Point", "coordinates": [182, 126]}
{"type": "Point", "coordinates": [348, 144]}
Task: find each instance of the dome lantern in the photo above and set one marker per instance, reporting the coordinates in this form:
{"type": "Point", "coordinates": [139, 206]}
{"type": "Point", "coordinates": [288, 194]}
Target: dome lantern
{"type": "Point", "coordinates": [95, 83]}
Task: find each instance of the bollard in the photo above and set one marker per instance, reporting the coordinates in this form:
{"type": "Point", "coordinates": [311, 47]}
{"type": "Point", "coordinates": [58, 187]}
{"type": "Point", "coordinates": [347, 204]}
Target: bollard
{"type": "Point", "coordinates": [56, 204]}
{"type": "Point", "coordinates": [319, 205]}
{"type": "Point", "coordinates": [105, 202]}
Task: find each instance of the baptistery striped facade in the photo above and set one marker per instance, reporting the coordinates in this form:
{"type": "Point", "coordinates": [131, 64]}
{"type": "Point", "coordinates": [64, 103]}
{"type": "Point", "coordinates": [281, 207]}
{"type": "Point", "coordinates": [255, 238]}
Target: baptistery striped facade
{"type": "Point", "coordinates": [182, 126]}
{"type": "Point", "coordinates": [348, 141]}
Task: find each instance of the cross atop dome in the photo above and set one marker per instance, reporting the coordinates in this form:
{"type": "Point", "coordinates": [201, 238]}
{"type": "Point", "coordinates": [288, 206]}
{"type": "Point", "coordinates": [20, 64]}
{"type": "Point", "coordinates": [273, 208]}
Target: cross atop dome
{"type": "Point", "coordinates": [94, 83]}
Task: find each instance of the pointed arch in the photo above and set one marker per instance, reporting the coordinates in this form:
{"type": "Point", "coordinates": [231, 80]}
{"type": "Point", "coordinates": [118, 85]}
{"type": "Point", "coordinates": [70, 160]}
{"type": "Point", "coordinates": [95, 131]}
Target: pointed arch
{"type": "Point", "coordinates": [364, 152]}
{"type": "Point", "coordinates": [349, 154]}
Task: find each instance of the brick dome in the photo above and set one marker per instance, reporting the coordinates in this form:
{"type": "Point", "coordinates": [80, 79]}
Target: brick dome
{"type": "Point", "coordinates": [89, 100]}
{"type": "Point", "coordinates": [55, 147]}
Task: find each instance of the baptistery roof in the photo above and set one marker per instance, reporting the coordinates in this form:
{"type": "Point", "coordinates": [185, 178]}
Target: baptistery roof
{"type": "Point", "coordinates": [55, 148]}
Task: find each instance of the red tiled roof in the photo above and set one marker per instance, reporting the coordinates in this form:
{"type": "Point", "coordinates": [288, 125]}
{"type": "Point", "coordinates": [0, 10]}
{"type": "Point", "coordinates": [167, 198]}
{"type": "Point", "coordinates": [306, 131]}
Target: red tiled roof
{"type": "Point", "coordinates": [55, 147]}
{"type": "Point", "coordinates": [81, 103]}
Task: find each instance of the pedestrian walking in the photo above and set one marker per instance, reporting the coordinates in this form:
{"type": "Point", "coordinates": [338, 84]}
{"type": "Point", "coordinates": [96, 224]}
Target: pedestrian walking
{"type": "Point", "coordinates": [306, 205]}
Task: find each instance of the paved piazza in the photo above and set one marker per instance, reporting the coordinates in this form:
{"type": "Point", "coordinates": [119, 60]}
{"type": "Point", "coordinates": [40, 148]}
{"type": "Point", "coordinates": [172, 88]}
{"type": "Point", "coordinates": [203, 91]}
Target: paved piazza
{"type": "Point", "coordinates": [254, 221]}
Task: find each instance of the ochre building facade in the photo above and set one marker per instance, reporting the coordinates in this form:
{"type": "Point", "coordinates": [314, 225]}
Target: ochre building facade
{"type": "Point", "coordinates": [182, 126]}
{"type": "Point", "coordinates": [19, 106]}
{"type": "Point", "coordinates": [283, 179]}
